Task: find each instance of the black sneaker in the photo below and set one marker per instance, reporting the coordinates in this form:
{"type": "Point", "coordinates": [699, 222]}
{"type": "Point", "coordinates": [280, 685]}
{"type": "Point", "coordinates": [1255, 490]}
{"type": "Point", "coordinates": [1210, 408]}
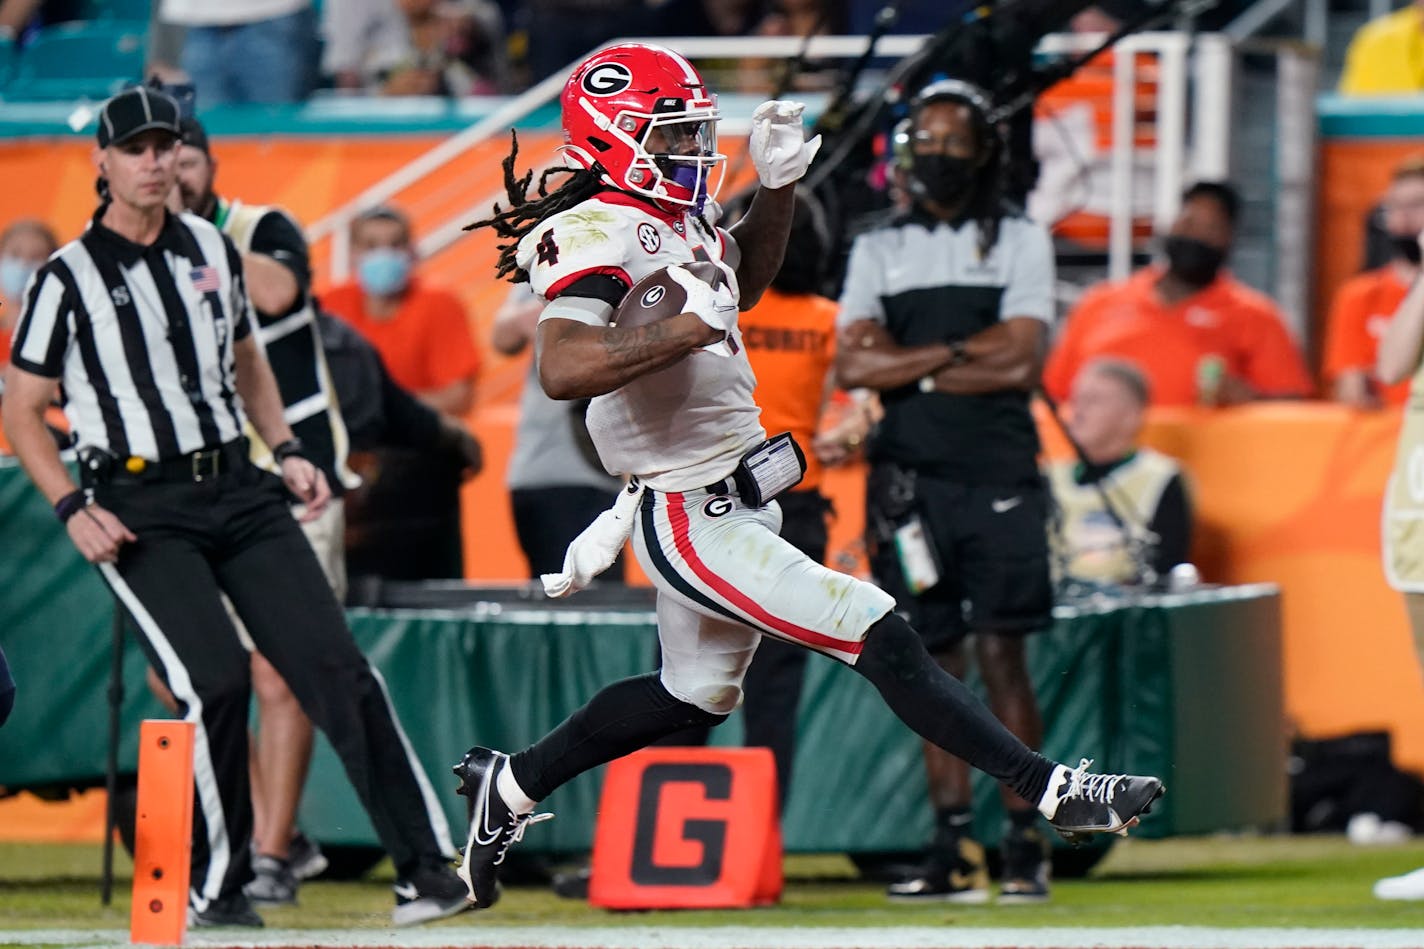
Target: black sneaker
{"type": "Point", "coordinates": [494, 828]}
{"type": "Point", "coordinates": [1026, 866]}
{"type": "Point", "coordinates": [272, 882]}
{"type": "Point", "coordinates": [1079, 803]}
{"type": "Point", "coordinates": [234, 910]}
{"type": "Point", "coordinates": [958, 875]}
{"type": "Point", "coordinates": [305, 857]}
{"type": "Point", "coordinates": [428, 893]}
{"type": "Point", "coordinates": [573, 884]}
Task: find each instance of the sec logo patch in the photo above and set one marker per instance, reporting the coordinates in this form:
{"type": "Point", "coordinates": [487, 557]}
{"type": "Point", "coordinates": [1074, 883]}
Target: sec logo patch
{"type": "Point", "coordinates": [648, 237]}
{"type": "Point", "coordinates": [716, 507]}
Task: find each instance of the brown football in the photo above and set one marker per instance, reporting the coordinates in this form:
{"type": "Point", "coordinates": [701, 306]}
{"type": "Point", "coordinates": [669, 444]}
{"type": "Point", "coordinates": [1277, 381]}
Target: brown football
{"type": "Point", "coordinates": [658, 295]}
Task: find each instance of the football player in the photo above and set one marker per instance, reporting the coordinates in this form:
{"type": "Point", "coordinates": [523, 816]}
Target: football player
{"type": "Point", "coordinates": [672, 408]}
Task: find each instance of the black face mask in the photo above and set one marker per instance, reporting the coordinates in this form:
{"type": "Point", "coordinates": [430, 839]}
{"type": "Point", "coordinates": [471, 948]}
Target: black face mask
{"type": "Point", "coordinates": [1191, 261]}
{"type": "Point", "coordinates": [943, 179]}
{"type": "Point", "coordinates": [1406, 246]}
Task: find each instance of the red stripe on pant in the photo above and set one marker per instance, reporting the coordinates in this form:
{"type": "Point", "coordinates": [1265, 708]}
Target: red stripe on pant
{"type": "Point", "coordinates": [677, 517]}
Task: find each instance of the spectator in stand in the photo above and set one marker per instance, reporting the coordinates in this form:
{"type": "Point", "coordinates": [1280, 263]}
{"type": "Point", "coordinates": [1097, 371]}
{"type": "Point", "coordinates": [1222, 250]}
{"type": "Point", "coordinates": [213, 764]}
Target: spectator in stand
{"type": "Point", "coordinates": [1386, 55]}
{"type": "Point", "coordinates": [557, 485]}
{"type": "Point", "coordinates": [798, 19]}
{"type": "Point", "coordinates": [246, 51]}
{"type": "Point", "coordinates": [415, 47]}
{"type": "Point", "coordinates": [366, 42]}
{"type": "Point", "coordinates": [1149, 529]}
{"type": "Point", "coordinates": [24, 247]}
{"type": "Point", "coordinates": [562, 31]}
{"type": "Point", "coordinates": [1198, 334]}
{"type": "Point", "coordinates": [1365, 303]}
{"type": "Point", "coordinates": [399, 524]}
{"type": "Point", "coordinates": [421, 332]}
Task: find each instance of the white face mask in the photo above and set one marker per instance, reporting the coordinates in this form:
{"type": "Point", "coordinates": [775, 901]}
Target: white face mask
{"type": "Point", "coordinates": [15, 272]}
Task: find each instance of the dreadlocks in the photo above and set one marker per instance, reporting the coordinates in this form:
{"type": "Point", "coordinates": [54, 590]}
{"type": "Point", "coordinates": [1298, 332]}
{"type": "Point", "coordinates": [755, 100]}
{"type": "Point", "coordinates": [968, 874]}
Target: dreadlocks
{"type": "Point", "coordinates": [523, 213]}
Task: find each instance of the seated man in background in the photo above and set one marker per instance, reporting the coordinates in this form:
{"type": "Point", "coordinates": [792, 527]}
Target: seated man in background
{"type": "Point", "coordinates": [1365, 304]}
{"type": "Point", "coordinates": [399, 524]}
{"type": "Point", "coordinates": [1198, 334]}
{"type": "Point", "coordinates": [1148, 530]}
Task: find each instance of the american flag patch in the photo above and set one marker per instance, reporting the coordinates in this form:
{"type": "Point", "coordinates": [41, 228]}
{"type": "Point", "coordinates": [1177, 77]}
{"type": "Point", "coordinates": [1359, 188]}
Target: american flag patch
{"type": "Point", "coordinates": [205, 278]}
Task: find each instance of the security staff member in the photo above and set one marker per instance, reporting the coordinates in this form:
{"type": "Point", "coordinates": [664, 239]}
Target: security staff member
{"type": "Point", "coordinates": [945, 312]}
{"type": "Point", "coordinates": [145, 321]}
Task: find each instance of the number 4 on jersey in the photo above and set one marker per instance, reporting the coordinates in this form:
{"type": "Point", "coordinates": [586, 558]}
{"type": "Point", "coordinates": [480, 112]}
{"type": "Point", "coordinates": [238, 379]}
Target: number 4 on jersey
{"type": "Point", "coordinates": [548, 250]}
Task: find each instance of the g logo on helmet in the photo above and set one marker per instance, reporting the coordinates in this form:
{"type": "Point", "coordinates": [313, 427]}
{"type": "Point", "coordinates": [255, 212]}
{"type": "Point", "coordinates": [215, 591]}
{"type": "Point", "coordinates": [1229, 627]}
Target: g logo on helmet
{"type": "Point", "coordinates": [653, 297]}
{"type": "Point", "coordinates": [607, 79]}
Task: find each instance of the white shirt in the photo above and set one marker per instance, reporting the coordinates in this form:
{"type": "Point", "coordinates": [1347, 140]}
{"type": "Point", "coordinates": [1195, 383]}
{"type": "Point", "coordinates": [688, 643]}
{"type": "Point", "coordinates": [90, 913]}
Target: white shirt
{"type": "Point", "coordinates": [681, 427]}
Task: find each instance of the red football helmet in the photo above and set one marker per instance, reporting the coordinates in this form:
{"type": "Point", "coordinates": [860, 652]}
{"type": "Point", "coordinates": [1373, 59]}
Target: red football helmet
{"type": "Point", "coordinates": [644, 116]}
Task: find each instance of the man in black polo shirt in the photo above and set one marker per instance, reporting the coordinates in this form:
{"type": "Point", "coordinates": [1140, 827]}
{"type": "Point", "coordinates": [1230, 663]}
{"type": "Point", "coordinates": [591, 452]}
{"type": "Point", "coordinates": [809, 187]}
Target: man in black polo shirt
{"type": "Point", "coordinates": [146, 322]}
{"type": "Point", "coordinates": [945, 312]}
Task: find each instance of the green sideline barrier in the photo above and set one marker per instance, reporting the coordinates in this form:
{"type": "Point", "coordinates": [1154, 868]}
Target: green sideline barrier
{"type": "Point", "coordinates": [1186, 686]}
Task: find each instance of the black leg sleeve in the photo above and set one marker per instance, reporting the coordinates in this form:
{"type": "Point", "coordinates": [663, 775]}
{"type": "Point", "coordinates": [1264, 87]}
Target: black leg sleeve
{"type": "Point", "coordinates": [943, 711]}
{"type": "Point", "coordinates": [622, 718]}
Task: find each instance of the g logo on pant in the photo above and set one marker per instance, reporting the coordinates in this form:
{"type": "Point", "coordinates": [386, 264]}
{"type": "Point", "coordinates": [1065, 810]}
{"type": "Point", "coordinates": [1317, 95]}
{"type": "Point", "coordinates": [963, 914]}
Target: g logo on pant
{"type": "Point", "coordinates": [717, 506]}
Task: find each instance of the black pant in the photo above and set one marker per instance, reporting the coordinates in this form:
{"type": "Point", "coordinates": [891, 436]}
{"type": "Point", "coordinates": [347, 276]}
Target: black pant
{"type": "Point", "coordinates": [772, 688]}
{"type": "Point", "coordinates": [234, 534]}
{"type": "Point", "coordinates": [548, 519]}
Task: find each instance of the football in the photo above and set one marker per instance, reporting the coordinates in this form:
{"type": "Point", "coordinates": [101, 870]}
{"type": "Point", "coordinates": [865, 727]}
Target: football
{"type": "Point", "coordinates": [658, 295]}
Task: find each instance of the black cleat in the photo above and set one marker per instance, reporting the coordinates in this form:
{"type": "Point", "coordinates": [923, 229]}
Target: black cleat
{"type": "Point", "coordinates": [1079, 803]}
{"type": "Point", "coordinates": [233, 910]}
{"type": "Point", "coordinates": [494, 828]}
{"type": "Point", "coordinates": [1026, 866]}
{"type": "Point", "coordinates": [956, 873]}
{"type": "Point", "coordinates": [428, 893]}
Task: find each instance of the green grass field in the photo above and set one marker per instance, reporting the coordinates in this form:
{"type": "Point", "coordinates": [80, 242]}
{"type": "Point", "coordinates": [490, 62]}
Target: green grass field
{"type": "Point", "coordinates": [1217, 881]}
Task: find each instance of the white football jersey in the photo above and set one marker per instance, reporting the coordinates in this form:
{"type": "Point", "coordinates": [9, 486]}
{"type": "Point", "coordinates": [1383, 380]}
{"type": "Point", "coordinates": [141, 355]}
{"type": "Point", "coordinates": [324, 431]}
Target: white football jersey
{"type": "Point", "coordinates": [681, 427]}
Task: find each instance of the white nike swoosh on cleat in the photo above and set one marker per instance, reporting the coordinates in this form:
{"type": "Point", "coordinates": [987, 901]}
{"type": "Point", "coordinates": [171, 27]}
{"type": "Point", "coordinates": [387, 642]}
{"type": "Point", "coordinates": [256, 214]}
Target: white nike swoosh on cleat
{"type": "Point", "coordinates": [1002, 505]}
{"type": "Point", "coordinates": [406, 891]}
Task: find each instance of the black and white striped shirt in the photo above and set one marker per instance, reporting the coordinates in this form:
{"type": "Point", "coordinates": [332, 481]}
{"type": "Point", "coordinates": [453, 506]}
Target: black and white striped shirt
{"type": "Point", "coordinates": [141, 337]}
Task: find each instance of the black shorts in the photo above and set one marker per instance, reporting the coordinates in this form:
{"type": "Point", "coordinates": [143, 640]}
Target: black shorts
{"type": "Point", "coordinates": [991, 542]}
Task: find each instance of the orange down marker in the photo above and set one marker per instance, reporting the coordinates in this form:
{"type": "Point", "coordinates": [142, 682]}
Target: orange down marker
{"type": "Point", "coordinates": [163, 833]}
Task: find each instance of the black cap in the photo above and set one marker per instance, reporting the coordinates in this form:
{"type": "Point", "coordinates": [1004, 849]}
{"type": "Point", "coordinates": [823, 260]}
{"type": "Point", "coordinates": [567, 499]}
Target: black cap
{"type": "Point", "coordinates": [194, 134]}
{"type": "Point", "coordinates": [137, 110]}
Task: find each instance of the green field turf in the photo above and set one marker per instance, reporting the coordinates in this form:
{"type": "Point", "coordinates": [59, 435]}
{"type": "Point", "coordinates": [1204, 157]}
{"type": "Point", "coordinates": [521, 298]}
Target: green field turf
{"type": "Point", "coordinates": [1217, 881]}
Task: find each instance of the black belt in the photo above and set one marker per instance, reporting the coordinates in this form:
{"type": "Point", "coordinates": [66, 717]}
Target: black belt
{"type": "Point", "coordinates": [727, 486]}
{"type": "Point", "coordinates": [196, 467]}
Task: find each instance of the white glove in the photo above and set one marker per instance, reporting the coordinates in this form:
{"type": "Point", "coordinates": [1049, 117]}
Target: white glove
{"type": "Point", "coordinates": [779, 150]}
{"type": "Point", "coordinates": [594, 550]}
{"type": "Point", "coordinates": [715, 307]}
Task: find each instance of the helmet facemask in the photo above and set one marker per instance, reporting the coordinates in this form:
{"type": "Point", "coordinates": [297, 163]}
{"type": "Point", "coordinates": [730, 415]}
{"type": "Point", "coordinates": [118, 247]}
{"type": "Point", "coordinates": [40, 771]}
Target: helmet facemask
{"type": "Point", "coordinates": [675, 157]}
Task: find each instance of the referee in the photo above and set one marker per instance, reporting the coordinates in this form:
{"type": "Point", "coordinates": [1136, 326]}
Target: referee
{"type": "Point", "coordinates": [145, 322]}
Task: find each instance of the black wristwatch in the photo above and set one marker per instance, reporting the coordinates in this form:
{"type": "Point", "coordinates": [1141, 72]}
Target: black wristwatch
{"type": "Point", "coordinates": [958, 353]}
{"type": "Point", "coordinates": [291, 448]}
